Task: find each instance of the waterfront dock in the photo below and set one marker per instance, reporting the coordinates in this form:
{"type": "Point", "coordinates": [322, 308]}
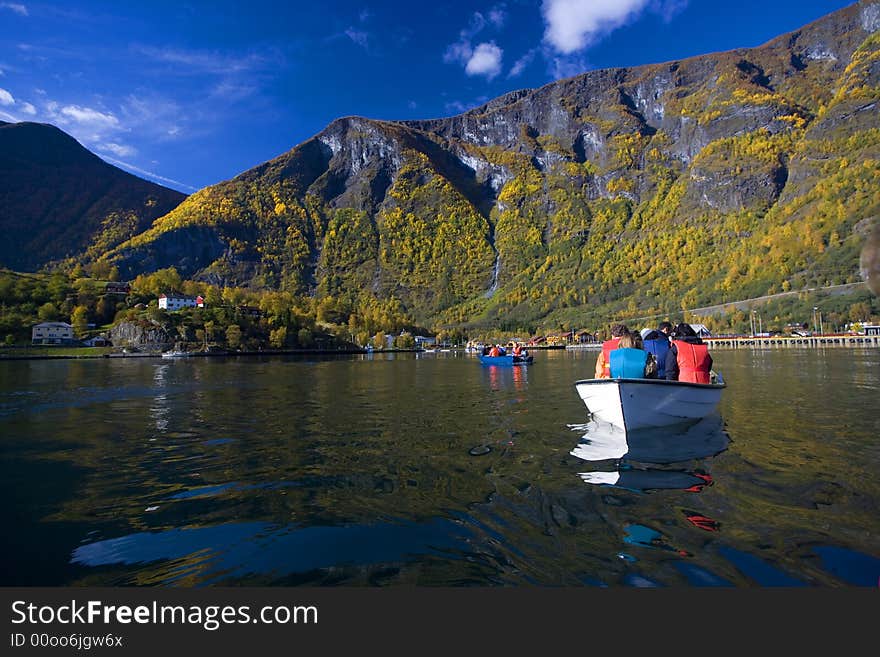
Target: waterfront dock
{"type": "Point", "coordinates": [793, 341]}
{"type": "Point", "coordinates": [775, 342]}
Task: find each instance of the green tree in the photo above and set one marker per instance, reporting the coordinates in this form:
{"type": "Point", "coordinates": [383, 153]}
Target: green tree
{"type": "Point", "coordinates": [233, 335]}
{"type": "Point", "coordinates": [79, 319]}
{"type": "Point", "coordinates": [278, 337]}
{"type": "Point", "coordinates": [48, 312]}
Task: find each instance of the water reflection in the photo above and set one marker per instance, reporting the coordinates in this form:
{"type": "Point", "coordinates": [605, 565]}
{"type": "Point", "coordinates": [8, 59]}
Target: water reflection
{"type": "Point", "coordinates": [238, 550]}
{"type": "Point", "coordinates": [602, 442]}
{"type": "Point", "coordinates": [506, 376]}
{"type": "Point", "coordinates": [364, 471]}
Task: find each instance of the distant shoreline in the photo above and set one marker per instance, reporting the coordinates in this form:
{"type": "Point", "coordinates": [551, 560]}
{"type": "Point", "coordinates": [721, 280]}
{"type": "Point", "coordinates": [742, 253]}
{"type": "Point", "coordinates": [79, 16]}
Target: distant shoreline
{"type": "Point", "coordinates": [233, 354]}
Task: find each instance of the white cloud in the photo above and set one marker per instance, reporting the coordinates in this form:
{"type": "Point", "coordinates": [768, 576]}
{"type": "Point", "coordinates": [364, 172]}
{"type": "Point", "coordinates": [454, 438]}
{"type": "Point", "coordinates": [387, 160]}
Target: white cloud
{"type": "Point", "coordinates": [520, 64]}
{"type": "Point", "coordinates": [89, 118]}
{"type": "Point", "coordinates": [148, 174]}
{"type": "Point", "coordinates": [29, 109]}
{"type": "Point", "coordinates": [357, 36]}
{"type": "Point", "coordinates": [497, 16]}
{"type": "Point", "coordinates": [669, 8]}
{"type": "Point", "coordinates": [232, 91]}
{"type": "Point", "coordinates": [485, 60]}
{"type": "Point", "coordinates": [572, 25]}
{"type": "Point", "coordinates": [460, 51]}
{"type": "Point", "coordinates": [566, 66]}
{"type": "Point", "coordinates": [21, 10]}
{"type": "Point", "coordinates": [202, 61]}
{"type": "Point", "coordinates": [6, 97]}
{"type": "Point", "coordinates": [119, 150]}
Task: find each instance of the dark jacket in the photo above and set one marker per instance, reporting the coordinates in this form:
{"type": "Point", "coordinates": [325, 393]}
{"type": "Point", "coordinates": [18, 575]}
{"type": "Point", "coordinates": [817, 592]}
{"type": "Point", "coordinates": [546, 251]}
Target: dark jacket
{"type": "Point", "coordinates": [672, 357]}
{"type": "Point", "coordinates": [658, 344]}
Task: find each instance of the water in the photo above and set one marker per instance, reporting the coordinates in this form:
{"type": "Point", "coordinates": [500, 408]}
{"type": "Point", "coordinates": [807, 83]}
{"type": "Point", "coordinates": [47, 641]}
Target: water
{"type": "Point", "coordinates": [428, 470]}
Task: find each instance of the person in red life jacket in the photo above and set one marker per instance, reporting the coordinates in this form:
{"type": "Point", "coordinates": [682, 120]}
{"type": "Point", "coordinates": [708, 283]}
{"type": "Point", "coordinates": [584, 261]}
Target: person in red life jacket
{"type": "Point", "coordinates": [517, 349]}
{"type": "Point", "coordinates": [495, 351]}
{"type": "Point", "coordinates": [603, 369]}
{"type": "Point", "coordinates": [688, 357]}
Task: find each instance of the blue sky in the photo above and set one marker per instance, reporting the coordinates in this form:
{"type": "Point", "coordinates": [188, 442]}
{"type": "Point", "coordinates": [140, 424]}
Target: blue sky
{"type": "Point", "coordinates": [191, 93]}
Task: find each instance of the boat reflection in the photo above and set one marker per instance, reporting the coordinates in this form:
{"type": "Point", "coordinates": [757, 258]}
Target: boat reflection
{"type": "Point", "coordinates": [602, 442]}
{"type": "Point", "coordinates": [503, 377]}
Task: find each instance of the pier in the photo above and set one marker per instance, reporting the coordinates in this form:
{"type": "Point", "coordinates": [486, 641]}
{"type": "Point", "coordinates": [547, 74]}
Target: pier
{"type": "Point", "coordinates": [794, 341]}
{"type": "Point", "coordinates": [775, 342]}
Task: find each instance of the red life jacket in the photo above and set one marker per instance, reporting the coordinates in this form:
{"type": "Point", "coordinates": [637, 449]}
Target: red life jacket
{"type": "Point", "coordinates": [607, 347]}
{"type": "Point", "coordinates": [694, 362]}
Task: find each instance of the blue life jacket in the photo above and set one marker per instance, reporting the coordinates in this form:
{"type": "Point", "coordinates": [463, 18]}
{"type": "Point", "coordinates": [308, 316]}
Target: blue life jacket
{"type": "Point", "coordinates": [628, 363]}
{"type": "Point", "coordinates": [658, 347]}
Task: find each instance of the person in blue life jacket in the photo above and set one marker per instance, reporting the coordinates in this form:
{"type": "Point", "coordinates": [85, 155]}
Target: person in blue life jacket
{"type": "Point", "coordinates": [630, 361]}
{"type": "Point", "coordinates": [657, 342]}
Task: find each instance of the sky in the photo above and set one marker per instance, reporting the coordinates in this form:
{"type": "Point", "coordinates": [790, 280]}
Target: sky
{"type": "Point", "coordinates": [188, 94]}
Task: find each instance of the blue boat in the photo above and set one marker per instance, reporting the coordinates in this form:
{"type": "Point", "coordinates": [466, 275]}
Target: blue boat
{"type": "Point", "coordinates": [505, 360]}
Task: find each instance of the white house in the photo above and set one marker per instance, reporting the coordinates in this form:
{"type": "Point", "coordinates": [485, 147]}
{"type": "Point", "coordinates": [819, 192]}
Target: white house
{"type": "Point", "coordinates": [174, 302]}
{"type": "Point", "coordinates": [52, 333]}
{"type": "Point", "coordinates": [423, 341]}
{"type": "Point", "coordinates": [701, 330]}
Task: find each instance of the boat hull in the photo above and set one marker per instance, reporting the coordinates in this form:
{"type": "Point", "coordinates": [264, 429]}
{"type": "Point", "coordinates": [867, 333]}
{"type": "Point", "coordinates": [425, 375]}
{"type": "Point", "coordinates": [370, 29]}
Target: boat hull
{"type": "Point", "coordinates": [505, 360]}
{"type": "Point", "coordinates": [641, 403]}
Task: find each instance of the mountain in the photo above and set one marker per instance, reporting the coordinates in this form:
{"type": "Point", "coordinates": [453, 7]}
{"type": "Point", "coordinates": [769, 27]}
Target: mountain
{"type": "Point", "coordinates": [58, 200]}
{"type": "Point", "coordinates": [619, 192]}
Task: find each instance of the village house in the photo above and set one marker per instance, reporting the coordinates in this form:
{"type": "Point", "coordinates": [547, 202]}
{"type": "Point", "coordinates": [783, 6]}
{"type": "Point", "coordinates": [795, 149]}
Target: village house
{"type": "Point", "coordinates": [114, 287]}
{"type": "Point", "coordinates": [173, 302]}
{"type": "Point", "coordinates": [52, 333]}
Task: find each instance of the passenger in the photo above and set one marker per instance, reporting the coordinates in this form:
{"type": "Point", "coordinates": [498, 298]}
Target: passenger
{"type": "Point", "coordinates": [666, 329]}
{"type": "Point", "coordinates": [602, 362]}
{"type": "Point", "coordinates": [630, 361]}
{"type": "Point", "coordinates": [657, 343]}
{"type": "Point", "coordinates": [688, 358]}
{"type": "Point", "coordinates": [495, 351]}
{"type": "Point", "coordinates": [517, 349]}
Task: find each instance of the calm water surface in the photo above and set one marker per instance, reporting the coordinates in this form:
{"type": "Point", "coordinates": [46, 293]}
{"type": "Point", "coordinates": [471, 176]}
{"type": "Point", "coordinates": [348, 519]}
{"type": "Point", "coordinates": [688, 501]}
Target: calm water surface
{"type": "Point", "coordinates": [432, 469]}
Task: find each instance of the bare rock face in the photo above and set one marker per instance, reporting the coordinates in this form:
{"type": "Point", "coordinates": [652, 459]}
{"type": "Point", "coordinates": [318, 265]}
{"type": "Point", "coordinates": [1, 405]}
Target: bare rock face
{"type": "Point", "coordinates": [869, 262]}
{"type": "Point", "coordinates": [145, 336]}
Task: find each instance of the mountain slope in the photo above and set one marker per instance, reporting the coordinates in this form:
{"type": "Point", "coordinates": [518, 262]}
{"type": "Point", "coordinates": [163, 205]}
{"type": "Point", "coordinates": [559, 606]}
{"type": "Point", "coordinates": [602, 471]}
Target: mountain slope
{"type": "Point", "coordinates": [616, 192]}
{"type": "Point", "coordinates": [57, 199]}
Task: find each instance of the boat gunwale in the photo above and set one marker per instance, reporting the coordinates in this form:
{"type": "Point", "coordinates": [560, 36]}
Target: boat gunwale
{"type": "Point", "coordinates": [687, 384]}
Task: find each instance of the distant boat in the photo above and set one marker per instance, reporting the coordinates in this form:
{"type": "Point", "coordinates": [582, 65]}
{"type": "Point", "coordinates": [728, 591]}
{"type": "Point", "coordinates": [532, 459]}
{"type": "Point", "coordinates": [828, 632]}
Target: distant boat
{"type": "Point", "coordinates": [510, 359]}
{"type": "Point", "coordinates": [175, 353]}
{"type": "Point", "coordinates": [640, 403]}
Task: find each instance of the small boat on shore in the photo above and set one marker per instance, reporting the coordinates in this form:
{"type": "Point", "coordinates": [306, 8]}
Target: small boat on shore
{"type": "Point", "coordinates": [510, 359]}
{"type": "Point", "coordinates": [640, 403]}
{"type": "Point", "coordinates": [175, 353]}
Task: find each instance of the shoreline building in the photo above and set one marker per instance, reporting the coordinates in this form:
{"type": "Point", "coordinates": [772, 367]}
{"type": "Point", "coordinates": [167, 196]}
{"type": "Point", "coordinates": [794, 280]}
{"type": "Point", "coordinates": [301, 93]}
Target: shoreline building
{"type": "Point", "coordinates": [52, 333]}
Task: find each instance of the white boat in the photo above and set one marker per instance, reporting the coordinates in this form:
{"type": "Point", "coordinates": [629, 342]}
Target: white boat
{"type": "Point", "coordinates": [175, 354]}
{"type": "Point", "coordinates": [640, 403]}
